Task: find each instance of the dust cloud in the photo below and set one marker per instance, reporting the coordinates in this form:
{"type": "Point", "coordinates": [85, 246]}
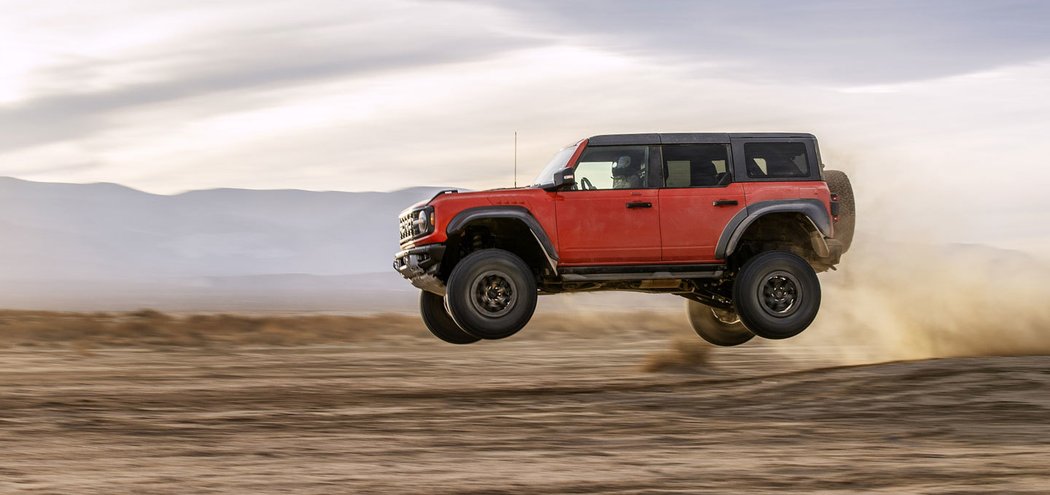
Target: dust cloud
{"type": "Point", "coordinates": [887, 302]}
{"type": "Point", "coordinates": [901, 302]}
{"type": "Point", "coordinates": [928, 278]}
{"type": "Point", "coordinates": [686, 355]}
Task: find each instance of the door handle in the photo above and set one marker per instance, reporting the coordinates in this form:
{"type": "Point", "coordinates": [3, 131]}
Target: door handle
{"type": "Point", "coordinates": [639, 204]}
{"type": "Point", "coordinates": [725, 202]}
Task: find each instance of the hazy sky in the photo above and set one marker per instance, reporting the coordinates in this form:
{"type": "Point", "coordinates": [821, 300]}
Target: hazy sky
{"type": "Point", "coordinates": [936, 107]}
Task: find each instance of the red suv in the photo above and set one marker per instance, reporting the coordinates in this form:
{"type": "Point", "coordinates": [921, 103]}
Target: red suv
{"type": "Point", "coordinates": [738, 224]}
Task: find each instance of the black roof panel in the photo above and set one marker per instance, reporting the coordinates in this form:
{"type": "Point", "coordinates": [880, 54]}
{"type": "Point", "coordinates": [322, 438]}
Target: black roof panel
{"type": "Point", "coordinates": [608, 139]}
{"type": "Point", "coordinates": [689, 137]}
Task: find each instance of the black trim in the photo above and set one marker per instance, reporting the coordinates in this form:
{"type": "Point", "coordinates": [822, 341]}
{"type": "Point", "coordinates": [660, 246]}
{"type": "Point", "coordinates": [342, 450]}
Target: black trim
{"type": "Point", "coordinates": [419, 266]}
{"type": "Point", "coordinates": [814, 209]}
{"type": "Point", "coordinates": [434, 251]}
{"type": "Point", "coordinates": [727, 232]}
{"type": "Point", "coordinates": [623, 139]}
{"type": "Point", "coordinates": [655, 175]}
{"type": "Point", "coordinates": [692, 137]}
{"type": "Point", "coordinates": [416, 261]}
{"type": "Point", "coordinates": [590, 270]}
{"type": "Point", "coordinates": [460, 221]}
{"type": "Point", "coordinates": [639, 272]}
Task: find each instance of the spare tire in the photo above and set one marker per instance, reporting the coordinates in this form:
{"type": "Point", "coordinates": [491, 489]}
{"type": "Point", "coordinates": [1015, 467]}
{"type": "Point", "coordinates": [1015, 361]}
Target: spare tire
{"type": "Point", "coordinates": [839, 185]}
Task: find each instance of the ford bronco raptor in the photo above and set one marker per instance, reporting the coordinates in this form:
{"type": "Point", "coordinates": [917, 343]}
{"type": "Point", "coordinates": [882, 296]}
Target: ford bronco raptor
{"type": "Point", "coordinates": [738, 224]}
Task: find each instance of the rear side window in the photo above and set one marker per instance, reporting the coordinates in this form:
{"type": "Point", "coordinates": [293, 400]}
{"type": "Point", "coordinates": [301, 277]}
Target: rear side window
{"type": "Point", "coordinates": [696, 165]}
{"type": "Point", "coordinates": [776, 160]}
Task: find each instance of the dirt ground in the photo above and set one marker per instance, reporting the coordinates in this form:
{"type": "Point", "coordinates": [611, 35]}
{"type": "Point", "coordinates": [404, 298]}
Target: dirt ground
{"type": "Point", "coordinates": [546, 412]}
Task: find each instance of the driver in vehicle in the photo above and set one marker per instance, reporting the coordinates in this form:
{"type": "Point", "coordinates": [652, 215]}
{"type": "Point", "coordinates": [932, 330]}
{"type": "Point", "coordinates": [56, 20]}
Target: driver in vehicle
{"type": "Point", "coordinates": [626, 175]}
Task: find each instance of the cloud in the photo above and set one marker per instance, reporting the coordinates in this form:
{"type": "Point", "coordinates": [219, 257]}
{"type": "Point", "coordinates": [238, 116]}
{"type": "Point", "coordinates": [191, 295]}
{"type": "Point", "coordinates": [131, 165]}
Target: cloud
{"type": "Point", "coordinates": [238, 61]}
{"type": "Point", "coordinates": [818, 41]}
{"type": "Point", "coordinates": [926, 104]}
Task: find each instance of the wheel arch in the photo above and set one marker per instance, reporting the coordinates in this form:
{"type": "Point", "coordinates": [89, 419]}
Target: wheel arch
{"type": "Point", "coordinates": [818, 223]}
{"type": "Point", "coordinates": [512, 228]}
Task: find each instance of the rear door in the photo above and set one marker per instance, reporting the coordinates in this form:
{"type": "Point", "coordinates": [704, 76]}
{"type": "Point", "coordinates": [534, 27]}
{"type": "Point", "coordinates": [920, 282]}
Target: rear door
{"type": "Point", "coordinates": [698, 200]}
{"type": "Point", "coordinates": [613, 214]}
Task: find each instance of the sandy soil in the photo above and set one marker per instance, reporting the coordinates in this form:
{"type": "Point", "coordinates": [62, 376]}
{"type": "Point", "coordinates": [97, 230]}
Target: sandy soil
{"type": "Point", "coordinates": [546, 413]}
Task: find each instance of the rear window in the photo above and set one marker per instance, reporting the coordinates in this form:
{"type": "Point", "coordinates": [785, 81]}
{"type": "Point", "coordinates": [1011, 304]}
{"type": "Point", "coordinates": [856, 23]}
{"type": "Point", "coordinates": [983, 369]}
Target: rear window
{"type": "Point", "coordinates": [776, 160]}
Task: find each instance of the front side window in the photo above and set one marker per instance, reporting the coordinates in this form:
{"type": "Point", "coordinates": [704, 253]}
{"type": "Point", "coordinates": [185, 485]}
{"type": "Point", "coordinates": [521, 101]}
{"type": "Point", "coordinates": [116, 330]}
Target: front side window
{"type": "Point", "coordinates": [776, 160]}
{"type": "Point", "coordinates": [696, 165]}
{"type": "Point", "coordinates": [613, 167]}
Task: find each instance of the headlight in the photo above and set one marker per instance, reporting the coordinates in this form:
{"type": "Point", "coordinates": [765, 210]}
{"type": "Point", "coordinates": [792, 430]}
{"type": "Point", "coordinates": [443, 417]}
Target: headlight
{"type": "Point", "coordinates": [423, 221]}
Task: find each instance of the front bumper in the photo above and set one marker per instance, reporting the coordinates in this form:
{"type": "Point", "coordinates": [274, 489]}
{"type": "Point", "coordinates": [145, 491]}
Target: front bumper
{"type": "Point", "coordinates": [420, 266]}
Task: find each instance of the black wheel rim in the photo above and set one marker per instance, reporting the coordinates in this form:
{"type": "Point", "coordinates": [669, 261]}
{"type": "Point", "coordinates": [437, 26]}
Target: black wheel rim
{"type": "Point", "coordinates": [780, 294]}
{"type": "Point", "coordinates": [493, 294]}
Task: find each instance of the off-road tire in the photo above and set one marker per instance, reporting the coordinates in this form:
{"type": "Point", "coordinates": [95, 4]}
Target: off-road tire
{"type": "Point", "coordinates": [710, 327]}
{"type": "Point", "coordinates": [438, 321]}
{"type": "Point", "coordinates": [776, 294]}
{"type": "Point", "coordinates": [491, 294]}
{"type": "Point", "coordinates": [839, 184]}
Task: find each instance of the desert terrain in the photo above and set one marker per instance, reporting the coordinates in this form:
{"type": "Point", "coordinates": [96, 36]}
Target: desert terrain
{"type": "Point", "coordinates": [617, 403]}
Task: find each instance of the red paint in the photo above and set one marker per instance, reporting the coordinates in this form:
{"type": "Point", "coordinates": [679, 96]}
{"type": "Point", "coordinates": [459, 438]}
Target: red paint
{"type": "Point", "coordinates": [691, 223]}
{"type": "Point", "coordinates": [596, 227]}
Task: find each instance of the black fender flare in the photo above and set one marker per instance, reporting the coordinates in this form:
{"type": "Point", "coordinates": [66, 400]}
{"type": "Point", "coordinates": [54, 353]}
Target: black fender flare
{"type": "Point", "coordinates": [520, 213]}
{"type": "Point", "coordinates": [813, 209]}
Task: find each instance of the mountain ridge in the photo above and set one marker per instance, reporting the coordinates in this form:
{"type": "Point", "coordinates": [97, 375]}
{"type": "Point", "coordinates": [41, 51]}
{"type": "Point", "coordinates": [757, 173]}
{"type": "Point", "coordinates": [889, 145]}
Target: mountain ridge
{"type": "Point", "coordinates": [57, 231]}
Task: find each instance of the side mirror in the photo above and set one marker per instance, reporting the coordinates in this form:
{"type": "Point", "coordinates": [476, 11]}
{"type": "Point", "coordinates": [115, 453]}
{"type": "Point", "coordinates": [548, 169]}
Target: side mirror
{"type": "Point", "coordinates": [562, 178]}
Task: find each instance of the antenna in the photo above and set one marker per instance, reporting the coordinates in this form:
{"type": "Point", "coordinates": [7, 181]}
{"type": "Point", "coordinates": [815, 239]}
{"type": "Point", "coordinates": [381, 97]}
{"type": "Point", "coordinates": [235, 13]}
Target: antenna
{"type": "Point", "coordinates": [515, 158]}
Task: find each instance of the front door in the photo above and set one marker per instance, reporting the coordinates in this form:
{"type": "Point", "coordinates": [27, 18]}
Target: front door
{"type": "Point", "coordinates": [612, 216]}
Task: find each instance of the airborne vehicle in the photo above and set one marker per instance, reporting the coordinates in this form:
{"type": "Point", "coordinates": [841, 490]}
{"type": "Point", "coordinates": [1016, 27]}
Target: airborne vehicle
{"type": "Point", "coordinates": [738, 224]}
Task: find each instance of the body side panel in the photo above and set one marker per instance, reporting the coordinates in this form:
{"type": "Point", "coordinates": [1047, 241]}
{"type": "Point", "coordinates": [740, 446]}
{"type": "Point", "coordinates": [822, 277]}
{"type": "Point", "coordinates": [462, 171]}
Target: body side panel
{"type": "Point", "coordinates": [599, 227]}
{"type": "Point", "coordinates": [691, 222]}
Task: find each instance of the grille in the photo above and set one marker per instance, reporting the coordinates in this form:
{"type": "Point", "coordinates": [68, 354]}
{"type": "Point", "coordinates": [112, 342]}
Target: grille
{"type": "Point", "coordinates": [407, 226]}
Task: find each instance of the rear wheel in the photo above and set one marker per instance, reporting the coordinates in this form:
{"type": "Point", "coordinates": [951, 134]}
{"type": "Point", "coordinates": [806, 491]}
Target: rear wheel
{"type": "Point", "coordinates": [717, 326]}
{"type": "Point", "coordinates": [438, 321]}
{"type": "Point", "coordinates": [776, 294]}
{"type": "Point", "coordinates": [491, 293]}
{"type": "Point", "coordinates": [839, 185]}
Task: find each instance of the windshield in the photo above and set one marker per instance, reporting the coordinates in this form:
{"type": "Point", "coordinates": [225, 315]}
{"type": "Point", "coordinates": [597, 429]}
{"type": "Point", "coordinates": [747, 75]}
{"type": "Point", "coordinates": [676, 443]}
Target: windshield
{"type": "Point", "coordinates": [560, 160]}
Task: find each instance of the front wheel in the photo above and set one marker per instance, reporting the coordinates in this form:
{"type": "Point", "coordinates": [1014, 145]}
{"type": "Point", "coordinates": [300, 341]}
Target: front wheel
{"type": "Point", "coordinates": [717, 326]}
{"type": "Point", "coordinates": [437, 320]}
{"type": "Point", "coordinates": [776, 294]}
{"type": "Point", "coordinates": [491, 293]}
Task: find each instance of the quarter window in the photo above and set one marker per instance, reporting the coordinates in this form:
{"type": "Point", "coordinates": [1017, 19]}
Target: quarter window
{"type": "Point", "coordinates": [776, 160]}
{"type": "Point", "coordinates": [696, 165]}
